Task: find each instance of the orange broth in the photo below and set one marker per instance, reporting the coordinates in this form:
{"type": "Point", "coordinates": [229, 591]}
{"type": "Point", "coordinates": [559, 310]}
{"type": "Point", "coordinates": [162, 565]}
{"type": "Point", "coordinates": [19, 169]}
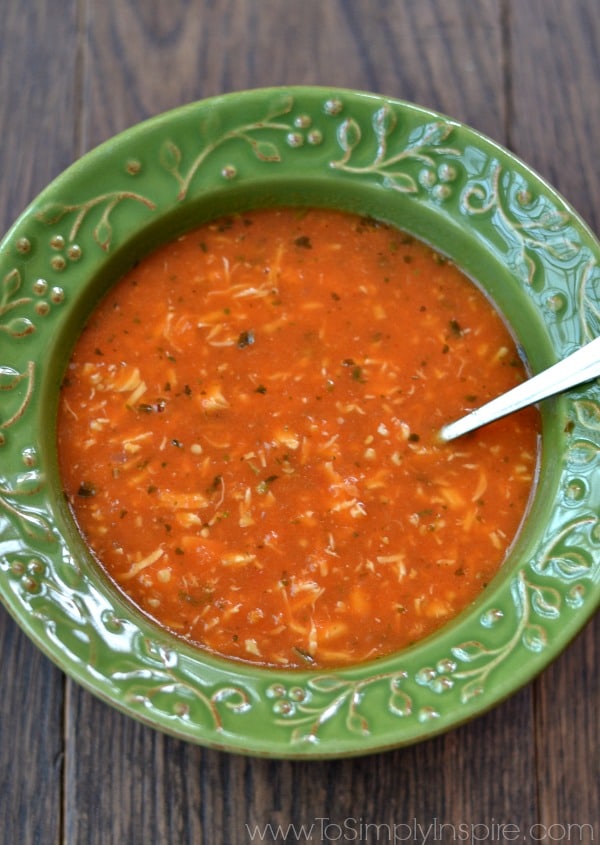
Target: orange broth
{"type": "Point", "coordinates": [247, 438]}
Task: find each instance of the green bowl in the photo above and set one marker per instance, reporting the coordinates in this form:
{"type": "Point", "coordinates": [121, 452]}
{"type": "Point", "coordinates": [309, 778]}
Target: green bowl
{"type": "Point", "coordinates": [421, 171]}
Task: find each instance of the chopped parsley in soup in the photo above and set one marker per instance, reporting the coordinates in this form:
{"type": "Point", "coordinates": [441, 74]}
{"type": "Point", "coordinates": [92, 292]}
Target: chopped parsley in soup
{"type": "Point", "coordinates": [247, 436]}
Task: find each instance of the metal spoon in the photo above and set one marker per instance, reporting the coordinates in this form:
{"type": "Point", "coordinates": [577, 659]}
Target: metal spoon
{"type": "Point", "coordinates": [579, 367]}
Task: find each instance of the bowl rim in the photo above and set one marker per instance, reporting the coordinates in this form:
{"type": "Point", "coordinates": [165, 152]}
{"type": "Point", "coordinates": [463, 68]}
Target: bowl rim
{"type": "Point", "coordinates": [321, 145]}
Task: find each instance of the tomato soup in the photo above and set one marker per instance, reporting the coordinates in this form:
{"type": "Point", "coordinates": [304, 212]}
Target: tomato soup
{"type": "Point", "coordinates": [247, 436]}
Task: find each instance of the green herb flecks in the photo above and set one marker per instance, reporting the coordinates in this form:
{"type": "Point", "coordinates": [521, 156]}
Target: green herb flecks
{"type": "Point", "coordinates": [265, 485]}
{"type": "Point", "coordinates": [245, 339]}
{"type": "Point", "coordinates": [303, 241]}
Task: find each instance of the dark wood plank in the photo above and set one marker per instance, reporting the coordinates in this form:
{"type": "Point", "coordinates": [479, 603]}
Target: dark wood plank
{"type": "Point", "coordinates": [146, 57]}
{"type": "Point", "coordinates": [556, 62]}
{"type": "Point", "coordinates": [555, 87]}
{"type": "Point", "coordinates": [31, 741]}
{"type": "Point", "coordinates": [140, 784]}
{"type": "Point", "coordinates": [37, 99]}
{"type": "Point", "coordinates": [460, 777]}
{"type": "Point", "coordinates": [131, 784]}
{"type": "Point", "coordinates": [568, 737]}
{"type": "Point", "coordinates": [37, 110]}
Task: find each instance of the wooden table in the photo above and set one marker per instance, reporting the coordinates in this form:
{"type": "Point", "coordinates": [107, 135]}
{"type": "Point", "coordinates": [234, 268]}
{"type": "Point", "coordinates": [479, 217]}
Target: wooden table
{"type": "Point", "coordinates": [74, 72]}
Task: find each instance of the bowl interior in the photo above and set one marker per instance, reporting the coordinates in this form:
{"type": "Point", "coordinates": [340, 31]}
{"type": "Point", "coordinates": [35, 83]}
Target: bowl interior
{"type": "Point", "coordinates": [472, 256]}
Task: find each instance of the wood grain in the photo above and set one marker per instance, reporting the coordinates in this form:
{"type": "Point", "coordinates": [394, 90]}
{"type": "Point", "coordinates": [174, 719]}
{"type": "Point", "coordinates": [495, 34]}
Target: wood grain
{"type": "Point", "coordinates": [555, 61]}
{"type": "Point", "coordinates": [444, 55]}
{"type": "Point", "coordinates": [180, 793]}
{"type": "Point", "coordinates": [31, 741]}
{"type": "Point", "coordinates": [72, 769]}
{"type": "Point", "coordinates": [37, 116]}
{"type": "Point", "coordinates": [32, 83]}
{"type": "Point", "coordinates": [560, 141]}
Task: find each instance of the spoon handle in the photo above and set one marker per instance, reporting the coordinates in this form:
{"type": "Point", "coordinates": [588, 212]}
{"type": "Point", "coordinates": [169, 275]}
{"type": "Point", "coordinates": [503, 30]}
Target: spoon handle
{"type": "Point", "coordinates": [577, 368]}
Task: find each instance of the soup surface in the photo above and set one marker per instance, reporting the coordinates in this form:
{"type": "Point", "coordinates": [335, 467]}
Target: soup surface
{"type": "Point", "coordinates": [247, 438]}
